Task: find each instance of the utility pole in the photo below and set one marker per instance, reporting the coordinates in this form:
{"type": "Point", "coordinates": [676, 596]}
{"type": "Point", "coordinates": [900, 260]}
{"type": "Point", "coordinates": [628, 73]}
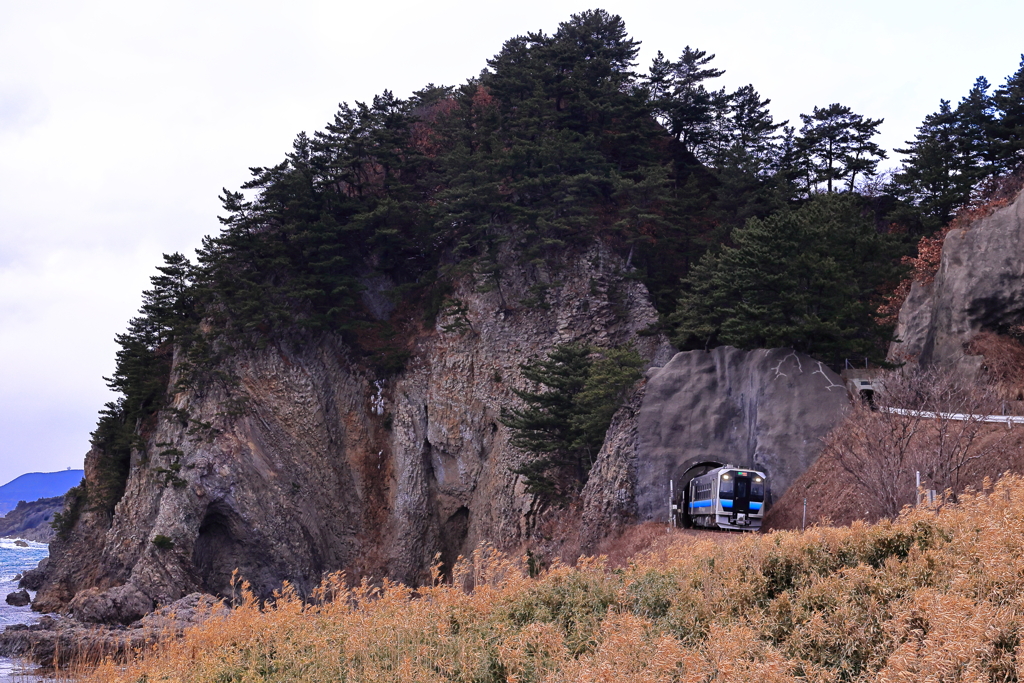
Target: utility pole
{"type": "Point", "coordinates": [803, 521]}
{"type": "Point", "coordinates": [671, 504]}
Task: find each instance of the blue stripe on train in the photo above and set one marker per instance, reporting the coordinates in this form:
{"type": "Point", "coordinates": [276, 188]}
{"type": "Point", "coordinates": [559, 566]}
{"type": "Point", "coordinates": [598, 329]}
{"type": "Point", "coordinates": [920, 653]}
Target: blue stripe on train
{"type": "Point", "coordinates": [727, 504]}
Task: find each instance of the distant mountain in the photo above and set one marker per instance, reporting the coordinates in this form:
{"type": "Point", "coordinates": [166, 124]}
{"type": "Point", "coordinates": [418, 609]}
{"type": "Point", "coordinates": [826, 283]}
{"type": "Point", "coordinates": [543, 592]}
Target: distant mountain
{"type": "Point", "coordinates": [36, 485]}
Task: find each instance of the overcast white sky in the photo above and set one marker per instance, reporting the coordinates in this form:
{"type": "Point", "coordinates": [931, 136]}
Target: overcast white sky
{"type": "Point", "coordinates": [120, 122]}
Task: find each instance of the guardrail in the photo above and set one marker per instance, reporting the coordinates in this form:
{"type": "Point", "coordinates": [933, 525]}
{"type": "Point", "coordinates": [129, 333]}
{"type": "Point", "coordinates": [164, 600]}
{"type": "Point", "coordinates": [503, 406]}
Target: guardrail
{"type": "Point", "coordinates": [1000, 419]}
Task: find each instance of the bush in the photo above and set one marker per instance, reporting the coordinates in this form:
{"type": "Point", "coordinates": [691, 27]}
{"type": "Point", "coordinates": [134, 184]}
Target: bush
{"type": "Point", "coordinates": [163, 542]}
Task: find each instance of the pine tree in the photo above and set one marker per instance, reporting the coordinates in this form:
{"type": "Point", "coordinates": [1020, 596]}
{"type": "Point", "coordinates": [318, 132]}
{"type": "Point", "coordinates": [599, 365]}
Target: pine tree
{"type": "Point", "coordinates": [1008, 130]}
{"type": "Point", "coordinates": [938, 174]}
{"type": "Point", "coordinates": [975, 115]}
{"type": "Point", "coordinates": [577, 390]}
{"type": "Point", "coordinates": [838, 146]}
{"type": "Point", "coordinates": [545, 426]}
{"type": "Point", "coordinates": [802, 279]}
{"type": "Point", "coordinates": [689, 111]}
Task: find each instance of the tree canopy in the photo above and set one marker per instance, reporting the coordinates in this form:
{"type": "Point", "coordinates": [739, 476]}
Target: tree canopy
{"type": "Point", "coordinates": [803, 279]}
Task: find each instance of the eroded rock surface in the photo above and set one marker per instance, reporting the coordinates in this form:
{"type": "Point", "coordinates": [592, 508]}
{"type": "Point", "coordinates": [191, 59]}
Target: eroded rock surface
{"type": "Point", "coordinates": [763, 409]}
{"type": "Point", "coordinates": [979, 286]}
{"type": "Point", "coordinates": [65, 640]}
{"type": "Point", "coordinates": [308, 462]}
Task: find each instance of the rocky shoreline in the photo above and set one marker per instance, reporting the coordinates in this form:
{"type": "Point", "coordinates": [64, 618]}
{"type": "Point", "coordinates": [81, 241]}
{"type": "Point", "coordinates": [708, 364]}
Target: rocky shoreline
{"type": "Point", "coordinates": [62, 640]}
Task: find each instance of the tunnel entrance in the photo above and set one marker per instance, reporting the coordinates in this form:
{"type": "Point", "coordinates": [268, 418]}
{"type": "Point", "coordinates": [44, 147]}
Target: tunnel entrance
{"type": "Point", "coordinates": [681, 499]}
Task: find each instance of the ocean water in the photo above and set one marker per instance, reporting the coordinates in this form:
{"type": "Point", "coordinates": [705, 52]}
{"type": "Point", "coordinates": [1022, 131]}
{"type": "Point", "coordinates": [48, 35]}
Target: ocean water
{"type": "Point", "coordinates": [13, 561]}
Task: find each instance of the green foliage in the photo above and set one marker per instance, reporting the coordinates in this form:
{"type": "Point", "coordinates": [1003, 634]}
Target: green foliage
{"type": "Point", "coordinates": [74, 501]}
{"type": "Point", "coordinates": [802, 279]}
{"type": "Point", "coordinates": [1008, 130]}
{"type": "Point", "coordinates": [837, 146]}
{"type": "Point", "coordinates": [163, 542]}
{"type": "Point", "coordinates": [141, 375]}
{"type": "Point", "coordinates": [578, 388]}
{"type": "Point", "coordinates": [958, 151]}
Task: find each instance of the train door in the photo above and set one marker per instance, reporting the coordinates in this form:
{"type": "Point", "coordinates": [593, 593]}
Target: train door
{"type": "Point", "coordinates": [741, 495]}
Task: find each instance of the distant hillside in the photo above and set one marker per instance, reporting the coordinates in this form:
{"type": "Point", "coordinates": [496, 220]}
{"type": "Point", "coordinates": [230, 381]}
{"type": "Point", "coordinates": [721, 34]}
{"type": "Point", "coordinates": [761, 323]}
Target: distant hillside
{"type": "Point", "coordinates": [36, 485]}
{"type": "Point", "coordinates": [31, 521]}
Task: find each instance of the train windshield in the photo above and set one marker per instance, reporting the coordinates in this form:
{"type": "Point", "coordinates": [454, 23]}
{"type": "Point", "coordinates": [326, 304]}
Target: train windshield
{"type": "Point", "coordinates": [741, 486]}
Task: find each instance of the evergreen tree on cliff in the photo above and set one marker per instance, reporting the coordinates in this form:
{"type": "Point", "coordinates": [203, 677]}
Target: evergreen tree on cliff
{"type": "Point", "coordinates": [838, 146]}
{"type": "Point", "coordinates": [802, 279]}
{"type": "Point", "coordinates": [939, 172]}
{"type": "Point", "coordinates": [1008, 130]}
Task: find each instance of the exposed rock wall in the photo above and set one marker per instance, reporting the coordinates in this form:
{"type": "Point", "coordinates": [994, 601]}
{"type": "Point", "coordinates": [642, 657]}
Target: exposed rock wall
{"type": "Point", "coordinates": [308, 463]}
{"type": "Point", "coordinates": [763, 409]}
{"type": "Point", "coordinates": [979, 286]}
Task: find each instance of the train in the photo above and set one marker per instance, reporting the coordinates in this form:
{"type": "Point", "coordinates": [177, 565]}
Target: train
{"type": "Point", "coordinates": [727, 497]}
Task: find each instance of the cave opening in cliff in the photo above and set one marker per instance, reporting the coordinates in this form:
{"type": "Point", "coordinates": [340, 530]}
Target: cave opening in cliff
{"type": "Point", "coordinates": [218, 551]}
{"type": "Point", "coordinates": [453, 536]}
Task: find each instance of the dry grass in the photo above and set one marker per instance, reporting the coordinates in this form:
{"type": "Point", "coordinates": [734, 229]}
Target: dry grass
{"type": "Point", "coordinates": [1004, 365]}
{"type": "Point", "coordinates": [834, 496]}
{"type": "Point", "coordinates": [934, 595]}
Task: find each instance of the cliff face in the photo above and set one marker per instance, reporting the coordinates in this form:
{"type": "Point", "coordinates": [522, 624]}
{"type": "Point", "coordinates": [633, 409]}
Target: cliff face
{"type": "Point", "coordinates": [979, 287]}
{"type": "Point", "coordinates": [766, 409]}
{"type": "Point", "coordinates": [309, 463]}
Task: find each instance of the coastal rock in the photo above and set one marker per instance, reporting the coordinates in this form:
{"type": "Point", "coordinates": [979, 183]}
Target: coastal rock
{"type": "Point", "coordinates": [308, 461]}
{"type": "Point", "coordinates": [119, 605]}
{"type": "Point", "coordinates": [766, 409]}
{"type": "Point", "coordinates": [33, 578]}
{"type": "Point", "coordinates": [979, 287]}
{"type": "Point", "coordinates": [19, 598]}
{"type": "Point", "coordinates": [66, 640]}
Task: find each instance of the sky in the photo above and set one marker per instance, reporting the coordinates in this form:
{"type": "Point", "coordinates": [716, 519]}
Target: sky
{"type": "Point", "coordinates": [120, 123]}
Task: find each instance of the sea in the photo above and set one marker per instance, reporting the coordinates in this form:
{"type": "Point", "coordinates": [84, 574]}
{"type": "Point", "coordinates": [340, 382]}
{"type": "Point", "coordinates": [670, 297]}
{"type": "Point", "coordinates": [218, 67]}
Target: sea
{"type": "Point", "coordinates": [15, 559]}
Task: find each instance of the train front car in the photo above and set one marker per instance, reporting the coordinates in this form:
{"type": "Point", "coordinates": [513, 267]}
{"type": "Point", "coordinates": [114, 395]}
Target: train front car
{"type": "Point", "coordinates": [728, 498]}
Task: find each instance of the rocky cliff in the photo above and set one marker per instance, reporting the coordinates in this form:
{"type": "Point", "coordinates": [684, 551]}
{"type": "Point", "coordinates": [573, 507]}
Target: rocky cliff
{"type": "Point", "coordinates": [979, 287]}
{"type": "Point", "coordinates": [304, 461]}
{"type": "Point", "coordinates": [766, 409]}
{"type": "Point", "coordinates": [307, 462]}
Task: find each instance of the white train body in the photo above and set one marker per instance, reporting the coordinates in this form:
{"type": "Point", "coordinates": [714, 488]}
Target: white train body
{"type": "Point", "coordinates": [727, 498]}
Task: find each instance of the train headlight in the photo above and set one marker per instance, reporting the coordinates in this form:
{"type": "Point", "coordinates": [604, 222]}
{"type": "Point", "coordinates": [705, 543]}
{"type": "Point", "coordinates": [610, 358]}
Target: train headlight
{"type": "Point", "coordinates": [726, 476]}
{"type": "Point", "coordinates": [758, 479]}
